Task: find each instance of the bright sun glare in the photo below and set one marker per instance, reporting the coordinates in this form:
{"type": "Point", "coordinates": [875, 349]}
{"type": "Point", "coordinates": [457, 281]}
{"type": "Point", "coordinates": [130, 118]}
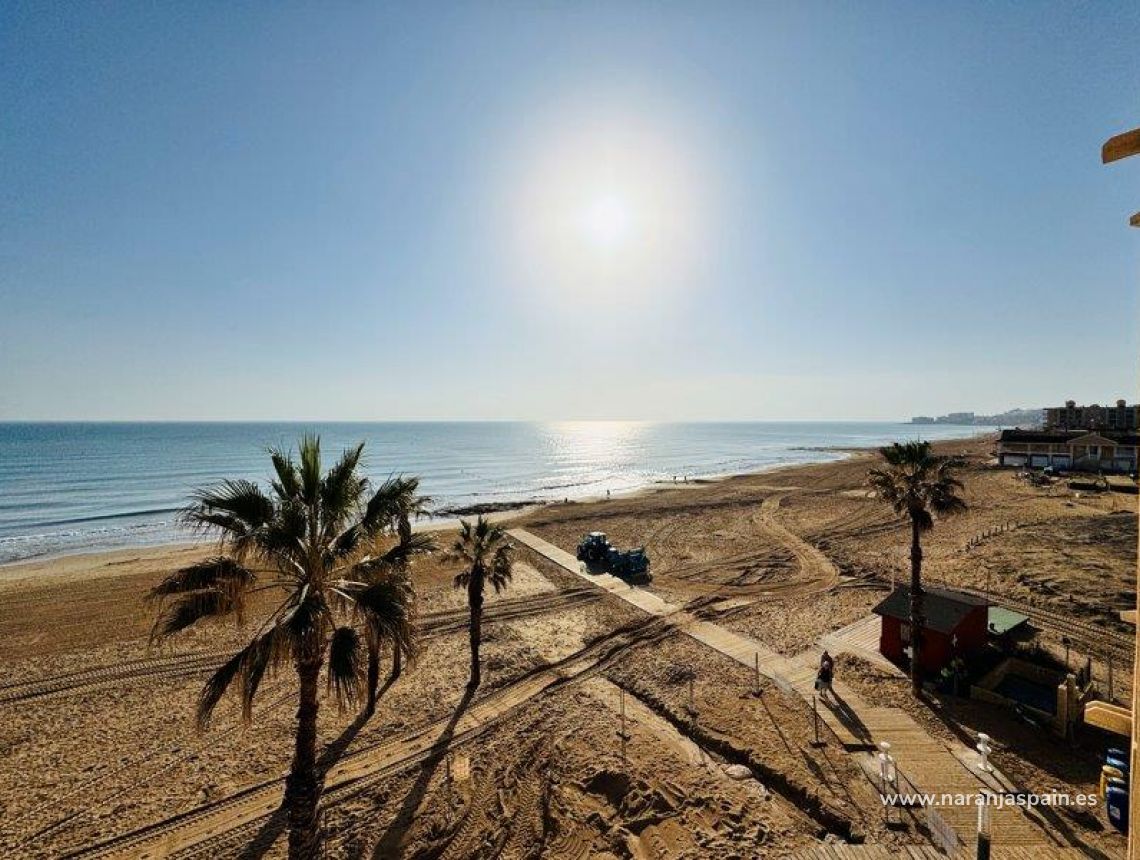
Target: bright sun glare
{"type": "Point", "coordinates": [607, 220]}
{"type": "Point", "coordinates": [607, 205]}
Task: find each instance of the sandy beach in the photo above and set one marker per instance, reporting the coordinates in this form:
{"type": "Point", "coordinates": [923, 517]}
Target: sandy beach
{"type": "Point", "coordinates": [98, 739]}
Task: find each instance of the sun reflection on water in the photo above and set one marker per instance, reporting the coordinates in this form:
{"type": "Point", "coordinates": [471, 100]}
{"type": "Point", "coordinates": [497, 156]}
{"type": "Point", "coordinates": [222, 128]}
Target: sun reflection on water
{"type": "Point", "coordinates": [603, 455]}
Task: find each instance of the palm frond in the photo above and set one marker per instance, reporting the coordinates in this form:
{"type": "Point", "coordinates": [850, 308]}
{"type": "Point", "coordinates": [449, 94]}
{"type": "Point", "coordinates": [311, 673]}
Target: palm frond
{"type": "Point", "coordinates": [219, 573]}
{"type": "Point", "coordinates": [288, 483]}
{"type": "Point", "coordinates": [346, 665]}
{"type": "Point", "coordinates": [943, 495]}
{"type": "Point", "coordinates": [502, 563]}
{"type": "Point", "coordinates": [228, 526]}
{"type": "Point", "coordinates": [383, 508]}
{"type": "Point", "coordinates": [412, 506]}
{"type": "Point", "coordinates": [347, 543]}
{"type": "Point", "coordinates": [341, 490]}
{"type": "Point", "coordinates": [467, 539]}
{"type": "Point", "coordinates": [306, 615]}
{"type": "Point", "coordinates": [912, 453]}
{"type": "Point", "coordinates": [216, 687]}
{"type": "Point", "coordinates": [468, 546]}
{"type": "Point", "coordinates": [247, 666]}
{"type": "Point", "coordinates": [373, 568]}
{"type": "Point", "coordinates": [274, 647]}
{"type": "Point", "coordinates": [243, 507]}
{"type": "Point", "coordinates": [387, 608]}
{"type": "Point", "coordinates": [483, 530]}
{"type": "Point", "coordinates": [890, 488]}
{"type": "Point", "coordinates": [385, 601]}
{"type": "Point", "coordinates": [405, 551]}
{"type": "Point", "coordinates": [186, 609]}
{"type": "Point", "coordinates": [310, 468]}
{"type": "Point", "coordinates": [284, 537]}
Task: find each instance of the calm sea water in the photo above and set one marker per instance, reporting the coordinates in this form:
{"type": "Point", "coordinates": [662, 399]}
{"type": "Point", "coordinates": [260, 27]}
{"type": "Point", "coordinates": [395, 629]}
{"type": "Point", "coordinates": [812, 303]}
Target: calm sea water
{"type": "Point", "coordinates": [68, 488]}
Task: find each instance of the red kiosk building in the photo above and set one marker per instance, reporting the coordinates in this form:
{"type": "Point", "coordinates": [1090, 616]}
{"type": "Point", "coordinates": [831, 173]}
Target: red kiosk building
{"type": "Point", "coordinates": [955, 626]}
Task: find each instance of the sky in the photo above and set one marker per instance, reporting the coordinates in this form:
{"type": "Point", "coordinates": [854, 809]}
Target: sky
{"type": "Point", "coordinates": [546, 210]}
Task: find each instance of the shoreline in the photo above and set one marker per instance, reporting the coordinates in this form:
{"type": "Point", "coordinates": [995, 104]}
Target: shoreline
{"type": "Point", "coordinates": [21, 570]}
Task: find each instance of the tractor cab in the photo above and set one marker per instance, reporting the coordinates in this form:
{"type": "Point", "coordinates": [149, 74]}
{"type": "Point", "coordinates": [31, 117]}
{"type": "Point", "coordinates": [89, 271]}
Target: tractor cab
{"type": "Point", "coordinates": [594, 548]}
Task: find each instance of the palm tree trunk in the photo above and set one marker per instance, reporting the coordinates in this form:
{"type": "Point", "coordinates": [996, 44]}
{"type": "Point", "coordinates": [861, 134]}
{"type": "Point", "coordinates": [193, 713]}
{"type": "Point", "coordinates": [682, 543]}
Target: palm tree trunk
{"type": "Point", "coordinates": [917, 620]}
{"type": "Point", "coordinates": [397, 664]}
{"type": "Point", "coordinates": [373, 676]}
{"type": "Point", "coordinates": [475, 601]}
{"type": "Point", "coordinates": [404, 531]}
{"type": "Point", "coordinates": [303, 785]}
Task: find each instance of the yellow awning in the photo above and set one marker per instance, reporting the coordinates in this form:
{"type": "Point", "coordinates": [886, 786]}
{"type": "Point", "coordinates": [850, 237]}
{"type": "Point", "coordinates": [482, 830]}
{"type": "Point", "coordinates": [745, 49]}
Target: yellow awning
{"type": "Point", "coordinates": [1111, 718]}
{"type": "Point", "coordinates": [1121, 146]}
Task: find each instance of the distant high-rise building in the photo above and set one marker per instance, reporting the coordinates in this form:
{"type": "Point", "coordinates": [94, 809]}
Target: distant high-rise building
{"type": "Point", "coordinates": [957, 418]}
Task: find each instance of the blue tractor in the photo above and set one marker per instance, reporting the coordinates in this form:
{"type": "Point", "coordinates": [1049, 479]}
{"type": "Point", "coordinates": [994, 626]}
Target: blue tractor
{"type": "Point", "coordinates": [599, 554]}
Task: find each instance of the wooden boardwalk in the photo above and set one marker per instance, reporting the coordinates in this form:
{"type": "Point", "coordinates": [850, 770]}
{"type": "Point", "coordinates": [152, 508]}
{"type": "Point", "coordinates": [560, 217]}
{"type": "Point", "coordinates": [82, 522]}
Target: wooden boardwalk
{"type": "Point", "coordinates": [860, 639]}
{"type": "Point", "coordinates": [931, 766]}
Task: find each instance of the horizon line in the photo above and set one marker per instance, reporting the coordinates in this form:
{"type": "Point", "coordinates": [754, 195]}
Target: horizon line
{"type": "Point", "coordinates": [830, 420]}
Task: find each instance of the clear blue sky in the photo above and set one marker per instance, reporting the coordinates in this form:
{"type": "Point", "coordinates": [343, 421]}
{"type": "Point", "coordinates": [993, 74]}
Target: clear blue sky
{"type": "Point", "coordinates": [557, 210]}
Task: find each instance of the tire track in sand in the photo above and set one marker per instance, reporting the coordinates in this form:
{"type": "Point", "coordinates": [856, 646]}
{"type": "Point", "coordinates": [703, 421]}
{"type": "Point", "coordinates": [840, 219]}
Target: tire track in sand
{"type": "Point", "coordinates": [177, 665]}
{"type": "Point", "coordinates": [816, 566]}
{"type": "Point", "coordinates": [205, 830]}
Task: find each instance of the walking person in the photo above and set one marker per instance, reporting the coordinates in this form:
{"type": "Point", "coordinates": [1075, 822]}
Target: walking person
{"type": "Point", "coordinates": [825, 674]}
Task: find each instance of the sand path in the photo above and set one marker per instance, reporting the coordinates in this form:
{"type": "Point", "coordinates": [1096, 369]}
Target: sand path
{"type": "Point", "coordinates": [813, 563]}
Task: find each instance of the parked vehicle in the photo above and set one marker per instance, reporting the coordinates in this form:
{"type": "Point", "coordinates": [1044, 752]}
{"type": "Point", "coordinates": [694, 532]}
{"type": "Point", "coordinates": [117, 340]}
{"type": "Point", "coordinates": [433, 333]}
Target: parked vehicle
{"type": "Point", "coordinates": [596, 550]}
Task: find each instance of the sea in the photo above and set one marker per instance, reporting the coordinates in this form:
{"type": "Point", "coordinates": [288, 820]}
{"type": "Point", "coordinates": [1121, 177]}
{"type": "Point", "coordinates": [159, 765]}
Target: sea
{"type": "Point", "coordinates": [80, 487]}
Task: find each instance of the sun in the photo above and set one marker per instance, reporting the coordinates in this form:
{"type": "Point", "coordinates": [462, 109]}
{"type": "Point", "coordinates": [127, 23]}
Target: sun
{"type": "Point", "coordinates": [605, 204]}
{"type": "Point", "coordinates": [607, 221]}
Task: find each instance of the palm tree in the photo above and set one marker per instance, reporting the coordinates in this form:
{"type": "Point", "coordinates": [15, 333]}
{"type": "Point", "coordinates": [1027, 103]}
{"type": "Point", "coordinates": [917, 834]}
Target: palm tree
{"type": "Point", "coordinates": [919, 485]}
{"type": "Point", "coordinates": [487, 557]}
{"type": "Point", "coordinates": [409, 505]}
{"type": "Point", "coordinates": [392, 570]}
{"type": "Point", "coordinates": [404, 504]}
{"type": "Point", "coordinates": [311, 539]}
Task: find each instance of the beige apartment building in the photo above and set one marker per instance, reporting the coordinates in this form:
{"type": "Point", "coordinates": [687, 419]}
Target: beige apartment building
{"type": "Point", "coordinates": [1121, 417]}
